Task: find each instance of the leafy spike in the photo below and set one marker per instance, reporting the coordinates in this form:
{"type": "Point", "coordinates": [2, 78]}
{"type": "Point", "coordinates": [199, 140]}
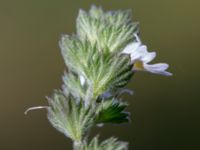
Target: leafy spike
{"type": "Point", "coordinates": [113, 29]}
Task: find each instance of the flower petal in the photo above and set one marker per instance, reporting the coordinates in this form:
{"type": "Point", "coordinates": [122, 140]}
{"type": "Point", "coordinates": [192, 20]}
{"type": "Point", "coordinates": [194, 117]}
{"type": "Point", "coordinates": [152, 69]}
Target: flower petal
{"type": "Point", "coordinates": [140, 57]}
{"type": "Point", "coordinates": [159, 68]}
{"type": "Point", "coordinates": [137, 56]}
{"type": "Point", "coordinates": [130, 48]}
{"type": "Point", "coordinates": [82, 80]}
{"type": "Point", "coordinates": [149, 57]}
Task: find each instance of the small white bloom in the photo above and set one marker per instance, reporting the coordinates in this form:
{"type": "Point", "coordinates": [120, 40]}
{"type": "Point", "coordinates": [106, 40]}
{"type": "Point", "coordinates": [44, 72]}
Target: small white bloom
{"type": "Point", "coordinates": [82, 80]}
{"type": "Point", "coordinates": [140, 57]}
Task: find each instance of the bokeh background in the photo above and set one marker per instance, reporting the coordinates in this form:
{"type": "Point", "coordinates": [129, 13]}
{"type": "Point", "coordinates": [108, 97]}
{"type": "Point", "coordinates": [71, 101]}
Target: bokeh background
{"type": "Point", "coordinates": [165, 110]}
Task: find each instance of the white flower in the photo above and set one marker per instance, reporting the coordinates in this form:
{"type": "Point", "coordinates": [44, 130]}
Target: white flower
{"type": "Point", "coordinates": [82, 79]}
{"type": "Point", "coordinates": [140, 57]}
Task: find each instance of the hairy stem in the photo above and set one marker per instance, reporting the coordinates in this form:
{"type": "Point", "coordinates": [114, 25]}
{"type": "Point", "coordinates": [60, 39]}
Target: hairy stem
{"type": "Point", "coordinates": [77, 145]}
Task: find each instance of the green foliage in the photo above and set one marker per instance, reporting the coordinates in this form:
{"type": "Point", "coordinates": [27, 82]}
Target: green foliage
{"type": "Point", "coordinates": [95, 65]}
{"type": "Point", "coordinates": [112, 111]}
{"type": "Point", "coordinates": [97, 72]}
{"type": "Point", "coordinates": [109, 144]}
{"type": "Point", "coordinates": [94, 54]}
{"type": "Point", "coordinates": [112, 29]}
{"type": "Point", "coordinates": [102, 68]}
{"type": "Point", "coordinates": [72, 85]}
{"type": "Point", "coordinates": [69, 116]}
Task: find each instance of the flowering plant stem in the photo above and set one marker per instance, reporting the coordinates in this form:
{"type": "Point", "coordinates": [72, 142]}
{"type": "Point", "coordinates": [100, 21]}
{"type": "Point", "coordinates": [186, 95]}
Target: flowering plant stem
{"type": "Point", "coordinates": [101, 58]}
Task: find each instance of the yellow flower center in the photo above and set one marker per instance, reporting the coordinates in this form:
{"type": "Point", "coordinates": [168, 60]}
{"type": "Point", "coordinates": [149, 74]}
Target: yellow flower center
{"type": "Point", "coordinates": [138, 65]}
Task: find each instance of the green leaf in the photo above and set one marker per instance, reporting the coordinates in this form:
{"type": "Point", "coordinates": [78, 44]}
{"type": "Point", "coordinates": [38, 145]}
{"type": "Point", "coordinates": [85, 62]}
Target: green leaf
{"type": "Point", "coordinates": [103, 69]}
{"type": "Point", "coordinates": [112, 111]}
{"type": "Point", "coordinates": [69, 116]}
{"type": "Point", "coordinates": [73, 85]}
{"type": "Point", "coordinates": [113, 29]}
{"type": "Point", "coordinates": [109, 144]}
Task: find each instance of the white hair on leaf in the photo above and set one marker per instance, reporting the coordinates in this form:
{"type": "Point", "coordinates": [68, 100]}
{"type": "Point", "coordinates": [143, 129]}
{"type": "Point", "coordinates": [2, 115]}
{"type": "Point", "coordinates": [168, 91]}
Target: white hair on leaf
{"type": "Point", "coordinates": [35, 108]}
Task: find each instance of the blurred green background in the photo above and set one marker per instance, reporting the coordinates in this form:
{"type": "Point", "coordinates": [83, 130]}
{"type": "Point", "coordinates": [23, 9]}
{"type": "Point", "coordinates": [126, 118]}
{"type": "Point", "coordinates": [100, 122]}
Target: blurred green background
{"type": "Point", "coordinates": [165, 110]}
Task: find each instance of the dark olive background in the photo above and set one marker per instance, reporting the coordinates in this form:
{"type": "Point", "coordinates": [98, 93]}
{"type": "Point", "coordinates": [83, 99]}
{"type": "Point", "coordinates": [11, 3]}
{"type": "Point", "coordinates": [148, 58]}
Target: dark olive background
{"type": "Point", "coordinates": [165, 110]}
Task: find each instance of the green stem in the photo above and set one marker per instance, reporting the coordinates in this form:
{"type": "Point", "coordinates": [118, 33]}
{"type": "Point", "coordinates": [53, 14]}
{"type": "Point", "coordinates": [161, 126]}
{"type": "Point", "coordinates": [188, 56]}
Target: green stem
{"type": "Point", "coordinates": [77, 145]}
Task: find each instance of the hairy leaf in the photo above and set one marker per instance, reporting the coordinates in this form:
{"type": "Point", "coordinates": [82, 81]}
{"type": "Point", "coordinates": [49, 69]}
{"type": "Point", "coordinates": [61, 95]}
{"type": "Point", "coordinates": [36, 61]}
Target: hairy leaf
{"type": "Point", "coordinates": [112, 111]}
{"type": "Point", "coordinates": [102, 68]}
{"type": "Point", "coordinates": [113, 29]}
{"type": "Point", "coordinates": [109, 144]}
{"type": "Point", "coordinates": [69, 116]}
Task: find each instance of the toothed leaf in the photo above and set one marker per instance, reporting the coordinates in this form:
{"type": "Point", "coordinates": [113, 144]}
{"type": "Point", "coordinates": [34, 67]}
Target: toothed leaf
{"type": "Point", "coordinates": [109, 144]}
{"type": "Point", "coordinates": [69, 116]}
{"type": "Point", "coordinates": [102, 68]}
{"type": "Point", "coordinates": [113, 29]}
{"type": "Point", "coordinates": [112, 111]}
